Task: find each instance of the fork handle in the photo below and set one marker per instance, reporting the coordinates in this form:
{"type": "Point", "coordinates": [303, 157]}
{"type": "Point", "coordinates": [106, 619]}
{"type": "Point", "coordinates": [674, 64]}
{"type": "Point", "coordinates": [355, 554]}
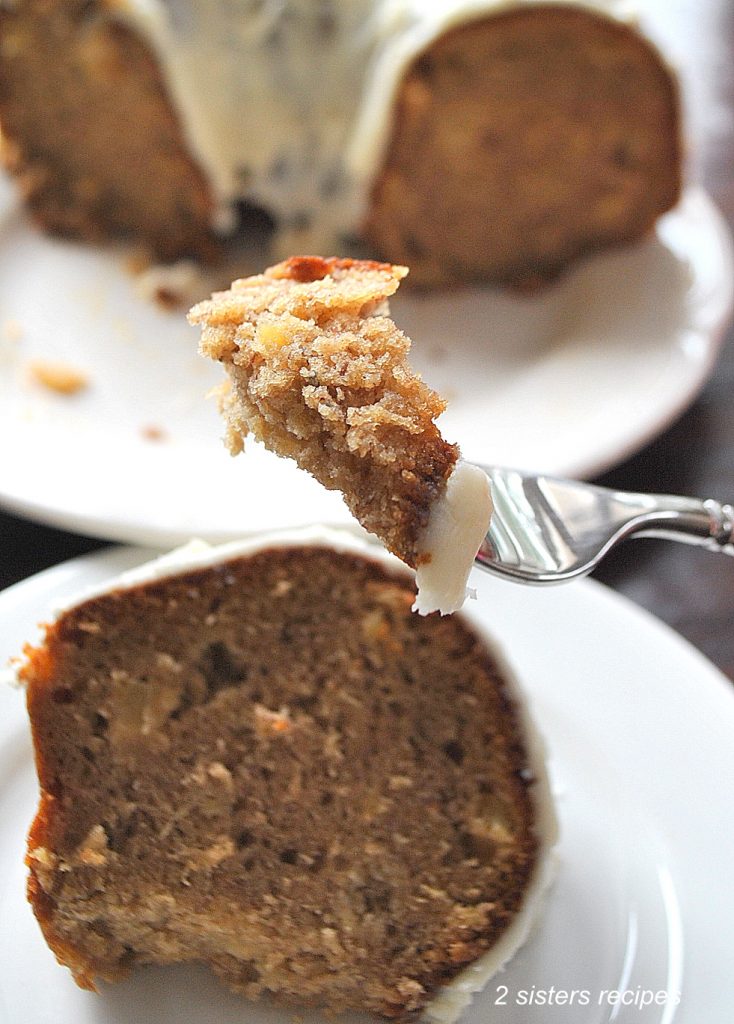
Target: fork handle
{"type": "Point", "coordinates": [709, 523]}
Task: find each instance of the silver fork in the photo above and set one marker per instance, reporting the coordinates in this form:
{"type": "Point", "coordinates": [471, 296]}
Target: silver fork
{"type": "Point", "coordinates": [547, 530]}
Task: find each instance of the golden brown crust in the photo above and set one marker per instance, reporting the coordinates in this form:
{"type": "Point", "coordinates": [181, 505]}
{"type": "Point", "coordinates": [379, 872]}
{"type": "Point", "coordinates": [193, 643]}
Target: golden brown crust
{"type": "Point", "coordinates": [307, 269]}
{"type": "Point", "coordinates": [39, 672]}
{"type": "Point", "coordinates": [319, 374]}
{"type": "Point", "coordinates": [338, 816]}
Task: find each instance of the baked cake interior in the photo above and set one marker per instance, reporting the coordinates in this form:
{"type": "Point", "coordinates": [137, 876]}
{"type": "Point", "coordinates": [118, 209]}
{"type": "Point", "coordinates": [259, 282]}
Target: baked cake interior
{"type": "Point", "coordinates": [273, 766]}
{"type": "Point", "coordinates": [319, 373]}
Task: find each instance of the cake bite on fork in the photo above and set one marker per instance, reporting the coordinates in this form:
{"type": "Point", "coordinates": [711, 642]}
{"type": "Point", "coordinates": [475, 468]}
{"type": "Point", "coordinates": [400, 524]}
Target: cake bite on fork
{"type": "Point", "coordinates": [319, 373]}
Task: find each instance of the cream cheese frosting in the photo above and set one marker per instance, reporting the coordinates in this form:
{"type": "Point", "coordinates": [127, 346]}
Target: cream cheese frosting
{"type": "Point", "coordinates": [287, 103]}
{"type": "Point", "coordinates": [456, 528]}
{"type": "Point", "coordinates": [455, 996]}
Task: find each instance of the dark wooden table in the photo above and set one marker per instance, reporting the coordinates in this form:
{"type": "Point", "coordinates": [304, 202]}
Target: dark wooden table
{"type": "Point", "coordinates": [689, 589]}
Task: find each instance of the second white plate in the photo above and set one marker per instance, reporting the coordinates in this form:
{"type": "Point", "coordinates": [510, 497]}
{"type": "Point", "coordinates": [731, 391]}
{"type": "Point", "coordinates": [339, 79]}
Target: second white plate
{"type": "Point", "coordinates": [639, 730]}
{"type": "Point", "coordinates": [567, 382]}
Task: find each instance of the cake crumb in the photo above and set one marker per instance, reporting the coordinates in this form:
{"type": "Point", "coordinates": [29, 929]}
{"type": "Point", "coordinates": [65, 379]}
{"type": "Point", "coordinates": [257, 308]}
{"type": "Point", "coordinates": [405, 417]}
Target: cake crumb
{"type": "Point", "coordinates": [61, 378]}
{"type": "Point", "coordinates": [152, 432]}
{"type": "Point", "coordinates": [171, 287]}
{"type": "Point", "coordinates": [319, 373]}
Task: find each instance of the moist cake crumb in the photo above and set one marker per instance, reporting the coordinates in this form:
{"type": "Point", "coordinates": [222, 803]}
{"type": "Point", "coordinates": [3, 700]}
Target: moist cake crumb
{"type": "Point", "coordinates": [341, 815]}
{"type": "Point", "coordinates": [152, 432]}
{"type": "Point", "coordinates": [62, 378]}
{"type": "Point", "coordinates": [319, 373]}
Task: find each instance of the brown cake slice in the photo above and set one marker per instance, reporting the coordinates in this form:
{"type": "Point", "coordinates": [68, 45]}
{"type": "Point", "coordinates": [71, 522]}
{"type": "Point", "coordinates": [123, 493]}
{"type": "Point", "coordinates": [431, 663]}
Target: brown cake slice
{"type": "Point", "coordinates": [260, 759]}
{"type": "Point", "coordinates": [523, 140]}
{"type": "Point", "coordinates": [86, 120]}
{"type": "Point", "coordinates": [319, 373]}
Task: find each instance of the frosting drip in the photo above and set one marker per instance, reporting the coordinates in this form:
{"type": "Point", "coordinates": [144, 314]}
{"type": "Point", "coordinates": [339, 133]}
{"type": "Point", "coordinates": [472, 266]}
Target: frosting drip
{"type": "Point", "coordinates": [286, 104]}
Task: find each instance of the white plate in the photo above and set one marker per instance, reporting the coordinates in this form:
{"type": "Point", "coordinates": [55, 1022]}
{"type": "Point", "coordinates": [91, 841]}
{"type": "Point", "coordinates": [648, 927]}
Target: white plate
{"type": "Point", "coordinates": [639, 728]}
{"type": "Point", "coordinates": [567, 382]}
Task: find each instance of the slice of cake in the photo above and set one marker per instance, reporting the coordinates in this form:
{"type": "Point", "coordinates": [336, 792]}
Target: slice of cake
{"type": "Point", "coordinates": [258, 757]}
{"type": "Point", "coordinates": [477, 141]}
{"type": "Point", "coordinates": [318, 372]}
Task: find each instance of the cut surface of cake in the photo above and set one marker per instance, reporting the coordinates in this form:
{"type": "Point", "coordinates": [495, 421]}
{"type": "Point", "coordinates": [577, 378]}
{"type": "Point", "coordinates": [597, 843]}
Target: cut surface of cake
{"type": "Point", "coordinates": [318, 372]}
{"type": "Point", "coordinates": [477, 140]}
{"type": "Point", "coordinates": [257, 757]}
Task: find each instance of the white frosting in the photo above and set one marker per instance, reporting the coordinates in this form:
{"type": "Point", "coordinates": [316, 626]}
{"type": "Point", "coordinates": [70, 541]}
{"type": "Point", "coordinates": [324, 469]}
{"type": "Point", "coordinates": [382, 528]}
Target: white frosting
{"type": "Point", "coordinates": [457, 994]}
{"type": "Point", "coordinates": [287, 103]}
{"type": "Point", "coordinates": [267, 93]}
{"type": "Point", "coordinates": [458, 523]}
{"type": "Point", "coordinates": [198, 554]}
